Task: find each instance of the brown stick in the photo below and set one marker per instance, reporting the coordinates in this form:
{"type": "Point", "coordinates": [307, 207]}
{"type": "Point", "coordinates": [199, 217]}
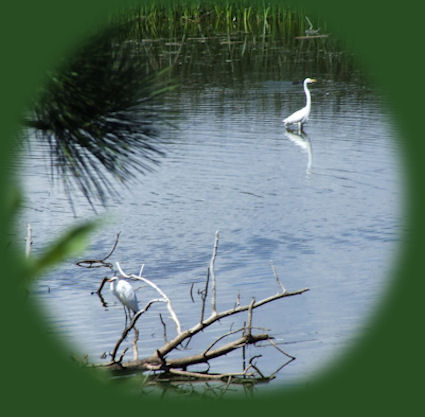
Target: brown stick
{"type": "Point", "coordinates": [97, 263]}
{"type": "Point", "coordinates": [206, 356]}
{"type": "Point", "coordinates": [204, 295]}
{"type": "Point", "coordinates": [311, 36]}
{"type": "Point", "coordinates": [250, 316]}
{"type": "Point", "coordinates": [221, 338]}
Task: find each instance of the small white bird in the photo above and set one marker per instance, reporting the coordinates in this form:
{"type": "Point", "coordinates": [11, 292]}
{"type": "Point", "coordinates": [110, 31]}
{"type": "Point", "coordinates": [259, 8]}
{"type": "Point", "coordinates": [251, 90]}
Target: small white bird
{"type": "Point", "coordinates": [301, 116]}
{"type": "Point", "coordinates": [125, 293]}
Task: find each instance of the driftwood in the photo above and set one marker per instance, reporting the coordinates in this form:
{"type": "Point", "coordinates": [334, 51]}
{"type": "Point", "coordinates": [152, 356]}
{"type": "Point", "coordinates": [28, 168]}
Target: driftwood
{"type": "Point", "coordinates": [311, 33]}
{"type": "Point", "coordinates": [167, 366]}
{"type": "Point", "coordinates": [98, 263]}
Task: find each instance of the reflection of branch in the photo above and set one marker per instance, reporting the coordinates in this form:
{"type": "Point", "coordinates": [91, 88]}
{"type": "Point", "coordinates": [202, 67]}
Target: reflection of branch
{"type": "Point", "coordinates": [97, 263]}
{"type": "Point", "coordinates": [99, 293]}
{"type": "Point", "coordinates": [291, 358]}
{"type": "Point", "coordinates": [164, 327]}
{"type": "Point", "coordinates": [213, 274]}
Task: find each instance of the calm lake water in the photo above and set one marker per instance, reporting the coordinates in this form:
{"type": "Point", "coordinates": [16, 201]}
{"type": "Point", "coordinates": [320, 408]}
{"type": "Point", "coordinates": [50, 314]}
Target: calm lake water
{"type": "Point", "coordinates": [325, 207]}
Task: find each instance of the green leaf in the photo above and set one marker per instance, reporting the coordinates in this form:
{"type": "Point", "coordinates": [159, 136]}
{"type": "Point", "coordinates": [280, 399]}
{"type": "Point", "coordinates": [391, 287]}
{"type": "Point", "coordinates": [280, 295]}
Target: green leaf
{"type": "Point", "coordinates": [72, 242]}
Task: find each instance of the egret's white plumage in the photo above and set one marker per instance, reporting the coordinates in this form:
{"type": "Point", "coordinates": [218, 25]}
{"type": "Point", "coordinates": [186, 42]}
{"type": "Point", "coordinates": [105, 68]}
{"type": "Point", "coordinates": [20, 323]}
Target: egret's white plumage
{"type": "Point", "coordinates": [125, 293]}
{"type": "Point", "coordinates": [301, 116]}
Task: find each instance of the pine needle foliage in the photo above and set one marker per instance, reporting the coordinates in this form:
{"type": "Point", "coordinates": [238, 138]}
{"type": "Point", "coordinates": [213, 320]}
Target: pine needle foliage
{"type": "Point", "coordinates": [97, 114]}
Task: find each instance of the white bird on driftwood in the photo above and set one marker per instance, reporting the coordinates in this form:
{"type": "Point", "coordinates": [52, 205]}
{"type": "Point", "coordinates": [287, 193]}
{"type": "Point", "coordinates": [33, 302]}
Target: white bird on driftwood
{"type": "Point", "coordinates": [125, 293]}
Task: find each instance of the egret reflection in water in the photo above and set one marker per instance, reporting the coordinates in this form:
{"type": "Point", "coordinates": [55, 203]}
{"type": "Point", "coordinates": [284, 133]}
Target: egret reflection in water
{"type": "Point", "coordinates": [301, 139]}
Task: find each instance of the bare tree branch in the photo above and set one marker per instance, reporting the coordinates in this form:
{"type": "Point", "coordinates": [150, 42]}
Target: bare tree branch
{"type": "Point", "coordinates": [160, 359]}
{"type": "Point", "coordinates": [250, 316]}
{"type": "Point", "coordinates": [211, 354]}
{"type": "Point", "coordinates": [221, 338]}
{"type": "Point", "coordinates": [204, 295]}
{"type": "Point", "coordinates": [191, 292]}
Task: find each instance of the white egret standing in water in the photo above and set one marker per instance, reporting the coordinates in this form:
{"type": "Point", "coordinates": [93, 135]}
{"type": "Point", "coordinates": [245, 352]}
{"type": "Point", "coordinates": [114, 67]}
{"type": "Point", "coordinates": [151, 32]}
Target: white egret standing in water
{"type": "Point", "coordinates": [301, 116]}
{"type": "Point", "coordinates": [125, 293]}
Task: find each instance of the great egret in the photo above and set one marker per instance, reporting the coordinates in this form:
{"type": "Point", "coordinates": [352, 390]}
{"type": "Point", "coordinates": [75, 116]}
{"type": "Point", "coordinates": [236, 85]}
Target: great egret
{"type": "Point", "coordinates": [125, 293]}
{"type": "Point", "coordinates": [301, 116]}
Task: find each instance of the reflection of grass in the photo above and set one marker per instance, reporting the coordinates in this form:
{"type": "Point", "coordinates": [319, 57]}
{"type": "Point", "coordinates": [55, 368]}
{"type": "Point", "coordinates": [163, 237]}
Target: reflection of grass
{"type": "Point", "coordinates": [234, 36]}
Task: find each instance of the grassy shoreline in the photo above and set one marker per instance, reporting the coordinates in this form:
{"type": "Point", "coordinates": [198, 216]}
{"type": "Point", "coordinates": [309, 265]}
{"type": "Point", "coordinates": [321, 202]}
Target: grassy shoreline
{"type": "Point", "coordinates": [237, 30]}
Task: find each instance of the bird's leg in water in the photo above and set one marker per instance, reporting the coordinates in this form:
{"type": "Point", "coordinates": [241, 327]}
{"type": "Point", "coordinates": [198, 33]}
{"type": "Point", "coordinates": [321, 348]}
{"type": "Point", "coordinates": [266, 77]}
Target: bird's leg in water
{"type": "Point", "coordinates": [126, 317]}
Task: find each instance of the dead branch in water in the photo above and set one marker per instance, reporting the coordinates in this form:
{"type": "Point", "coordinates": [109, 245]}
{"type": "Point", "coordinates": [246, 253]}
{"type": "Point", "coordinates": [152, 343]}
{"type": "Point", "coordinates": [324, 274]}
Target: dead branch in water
{"type": "Point", "coordinates": [98, 263]}
{"type": "Point", "coordinates": [161, 359]}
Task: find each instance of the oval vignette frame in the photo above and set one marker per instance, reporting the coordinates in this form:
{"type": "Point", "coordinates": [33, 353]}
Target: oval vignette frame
{"type": "Point", "coordinates": [377, 371]}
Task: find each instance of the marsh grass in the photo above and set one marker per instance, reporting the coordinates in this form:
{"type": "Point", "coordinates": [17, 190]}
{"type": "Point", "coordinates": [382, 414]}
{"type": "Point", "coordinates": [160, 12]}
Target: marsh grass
{"type": "Point", "coordinates": [233, 35]}
{"type": "Point", "coordinates": [209, 18]}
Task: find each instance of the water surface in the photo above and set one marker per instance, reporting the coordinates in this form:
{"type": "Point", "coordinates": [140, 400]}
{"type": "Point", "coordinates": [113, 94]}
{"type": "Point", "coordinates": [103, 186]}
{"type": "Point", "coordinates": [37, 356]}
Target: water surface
{"type": "Point", "coordinates": [324, 206]}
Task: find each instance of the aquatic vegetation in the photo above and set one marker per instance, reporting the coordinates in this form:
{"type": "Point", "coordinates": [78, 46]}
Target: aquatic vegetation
{"type": "Point", "coordinates": [233, 34]}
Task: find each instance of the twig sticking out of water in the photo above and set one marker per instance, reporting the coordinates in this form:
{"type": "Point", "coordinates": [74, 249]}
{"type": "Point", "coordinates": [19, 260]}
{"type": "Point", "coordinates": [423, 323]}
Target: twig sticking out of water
{"type": "Point", "coordinates": [98, 263]}
{"type": "Point", "coordinates": [276, 276]}
{"type": "Point", "coordinates": [28, 241]}
{"type": "Point", "coordinates": [213, 298]}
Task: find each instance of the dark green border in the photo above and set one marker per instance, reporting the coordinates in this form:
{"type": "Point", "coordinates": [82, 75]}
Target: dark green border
{"type": "Point", "coordinates": [377, 376]}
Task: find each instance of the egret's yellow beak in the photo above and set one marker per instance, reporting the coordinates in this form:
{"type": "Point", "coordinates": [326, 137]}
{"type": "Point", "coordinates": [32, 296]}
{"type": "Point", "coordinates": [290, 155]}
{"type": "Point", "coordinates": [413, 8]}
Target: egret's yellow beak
{"type": "Point", "coordinates": [313, 80]}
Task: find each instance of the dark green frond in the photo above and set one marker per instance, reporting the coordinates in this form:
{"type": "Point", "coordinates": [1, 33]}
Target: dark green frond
{"type": "Point", "coordinates": [97, 113]}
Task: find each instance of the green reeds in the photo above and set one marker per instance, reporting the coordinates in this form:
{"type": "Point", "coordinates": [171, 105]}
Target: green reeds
{"type": "Point", "coordinates": [165, 19]}
{"type": "Point", "coordinates": [260, 34]}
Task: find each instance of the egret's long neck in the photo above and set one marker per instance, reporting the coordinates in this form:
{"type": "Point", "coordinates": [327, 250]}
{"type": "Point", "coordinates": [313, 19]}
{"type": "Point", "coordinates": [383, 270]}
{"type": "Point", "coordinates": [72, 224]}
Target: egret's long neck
{"type": "Point", "coordinates": [307, 96]}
